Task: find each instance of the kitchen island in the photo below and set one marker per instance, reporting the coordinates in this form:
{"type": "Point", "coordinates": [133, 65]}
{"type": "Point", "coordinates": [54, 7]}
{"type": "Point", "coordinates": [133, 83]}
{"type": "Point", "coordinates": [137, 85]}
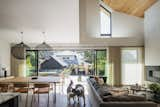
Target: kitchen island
{"type": "Point", "coordinates": [9, 99]}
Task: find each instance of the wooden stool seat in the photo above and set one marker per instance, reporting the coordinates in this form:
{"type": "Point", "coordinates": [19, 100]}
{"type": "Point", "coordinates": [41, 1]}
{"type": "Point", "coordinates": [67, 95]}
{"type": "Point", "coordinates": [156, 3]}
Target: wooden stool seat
{"type": "Point", "coordinates": [4, 87]}
{"type": "Point", "coordinates": [21, 90]}
{"type": "Point", "coordinates": [42, 90]}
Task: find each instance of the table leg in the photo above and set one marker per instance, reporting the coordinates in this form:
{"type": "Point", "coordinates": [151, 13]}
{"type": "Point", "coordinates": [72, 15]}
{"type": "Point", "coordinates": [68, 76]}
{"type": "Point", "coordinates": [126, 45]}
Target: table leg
{"type": "Point", "coordinates": [54, 92]}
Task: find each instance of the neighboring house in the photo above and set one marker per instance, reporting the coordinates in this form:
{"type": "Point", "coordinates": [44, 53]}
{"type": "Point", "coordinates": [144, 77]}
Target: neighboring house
{"type": "Point", "coordinates": [69, 59]}
{"type": "Point", "coordinates": [53, 63]}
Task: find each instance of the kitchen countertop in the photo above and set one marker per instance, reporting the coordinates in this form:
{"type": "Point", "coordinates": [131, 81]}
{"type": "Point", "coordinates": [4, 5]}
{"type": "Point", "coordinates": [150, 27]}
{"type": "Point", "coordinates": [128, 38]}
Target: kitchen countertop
{"type": "Point", "coordinates": [4, 97]}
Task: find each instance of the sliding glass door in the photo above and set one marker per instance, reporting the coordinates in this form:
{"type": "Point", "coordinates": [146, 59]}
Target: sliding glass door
{"type": "Point", "coordinates": [31, 63]}
{"type": "Point", "coordinates": [70, 62]}
{"type": "Point", "coordinates": [100, 62]}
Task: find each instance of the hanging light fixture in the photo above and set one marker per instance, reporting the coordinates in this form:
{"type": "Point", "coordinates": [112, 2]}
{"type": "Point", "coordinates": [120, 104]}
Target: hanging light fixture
{"type": "Point", "coordinates": [18, 50]}
{"type": "Point", "coordinates": [43, 45]}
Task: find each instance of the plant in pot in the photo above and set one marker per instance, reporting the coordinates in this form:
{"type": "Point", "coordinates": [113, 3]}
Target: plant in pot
{"type": "Point", "coordinates": [155, 87]}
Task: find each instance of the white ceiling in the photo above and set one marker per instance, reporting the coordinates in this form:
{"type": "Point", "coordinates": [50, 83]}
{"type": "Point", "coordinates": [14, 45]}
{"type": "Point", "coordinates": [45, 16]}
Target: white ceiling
{"type": "Point", "coordinates": [58, 18]}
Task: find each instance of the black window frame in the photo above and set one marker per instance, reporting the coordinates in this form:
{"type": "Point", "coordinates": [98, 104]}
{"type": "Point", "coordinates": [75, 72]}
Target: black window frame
{"type": "Point", "coordinates": [101, 6]}
{"type": "Point", "coordinates": [36, 59]}
{"type": "Point", "coordinates": [95, 59]}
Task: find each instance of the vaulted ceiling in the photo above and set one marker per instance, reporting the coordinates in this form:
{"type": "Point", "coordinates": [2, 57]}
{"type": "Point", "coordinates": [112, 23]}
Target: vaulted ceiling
{"type": "Point", "coordinates": [131, 7]}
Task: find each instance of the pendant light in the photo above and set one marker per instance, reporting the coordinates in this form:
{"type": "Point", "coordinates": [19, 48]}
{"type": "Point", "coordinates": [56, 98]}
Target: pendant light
{"type": "Point", "coordinates": [43, 45]}
{"type": "Point", "coordinates": [18, 50]}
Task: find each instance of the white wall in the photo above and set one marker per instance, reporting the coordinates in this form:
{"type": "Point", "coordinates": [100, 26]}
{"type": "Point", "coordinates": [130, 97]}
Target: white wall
{"type": "Point", "coordinates": [58, 18]}
{"type": "Point", "coordinates": [126, 30]}
{"type": "Point", "coordinates": [152, 35]}
{"type": "Point", "coordinates": [4, 56]}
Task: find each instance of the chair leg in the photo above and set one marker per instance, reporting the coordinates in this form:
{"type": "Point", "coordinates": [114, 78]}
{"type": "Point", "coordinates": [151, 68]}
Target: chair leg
{"type": "Point", "coordinates": [59, 88]}
{"type": "Point", "coordinates": [38, 98]}
{"type": "Point", "coordinates": [84, 99]}
{"type": "Point", "coordinates": [32, 99]}
{"type": "Point", "coordinates": [21, 97]}
{"type": "Point", "coordinates": [54, 92]}
{"type": "Point", "coordinates": [62, 88]}
{"type": "Point", "coordinates": [26, 100]}
{"type": "Point", "coordinates": [48, 100]}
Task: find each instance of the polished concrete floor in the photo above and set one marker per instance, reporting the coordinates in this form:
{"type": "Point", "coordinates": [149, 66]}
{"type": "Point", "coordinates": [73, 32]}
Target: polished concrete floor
{"type": "Point", "coordinates": [61, 100]}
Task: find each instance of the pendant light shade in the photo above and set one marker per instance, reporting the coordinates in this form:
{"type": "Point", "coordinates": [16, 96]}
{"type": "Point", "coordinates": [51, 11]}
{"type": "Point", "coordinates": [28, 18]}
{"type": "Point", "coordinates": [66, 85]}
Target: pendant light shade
{"type": "Point", "coordinates": [18, 50]}
{"type": "Point", "coordinates": [43, 45]}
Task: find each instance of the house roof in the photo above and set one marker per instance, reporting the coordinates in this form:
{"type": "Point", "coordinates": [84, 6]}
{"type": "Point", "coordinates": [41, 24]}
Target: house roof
{"type": "Point", "coordinates": [52, 63]}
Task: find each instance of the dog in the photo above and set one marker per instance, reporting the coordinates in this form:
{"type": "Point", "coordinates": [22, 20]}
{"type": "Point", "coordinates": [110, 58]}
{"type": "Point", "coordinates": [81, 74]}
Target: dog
{"type": "Point", "coordinates": [78, 92]}
{"type": "Point", "coordinates": [70, 93]}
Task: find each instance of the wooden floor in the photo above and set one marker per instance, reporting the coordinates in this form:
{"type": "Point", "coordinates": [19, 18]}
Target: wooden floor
{"type": "Point", "coordinates": [61, 97]}
{"type": "Point", "coordinates": [61, 100]}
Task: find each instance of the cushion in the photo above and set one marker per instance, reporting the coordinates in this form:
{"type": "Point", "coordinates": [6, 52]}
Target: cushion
{"type": "Point", "coordinates": [96, 86]}
{"type": "Point", "coordinates": [103, 92]}
{"type": "Point", "coordinates": [94, 83]}
{"type": "Point", "coordinates": [120, 93]}
{"type": "Point", "coordinates": [96, 78]}
{"type": "Point", "coordinates": [92, 80]}
{"type": "Point", "coordinates": [91, 76]}
{"type": "Point", "coordinates": [42, 90]}
{"type": "Point", "coordinates": [101, 81]}
{"type": "Point", "coordinates": [21, 90]}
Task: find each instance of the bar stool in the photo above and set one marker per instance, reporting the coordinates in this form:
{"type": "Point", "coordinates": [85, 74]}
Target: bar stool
{"type": "Point", "coordinates": [41, 88]}
{"type": "Point", "coordinates": [22, 88]}
{"type": "Point", "coordinates": [4, 87]}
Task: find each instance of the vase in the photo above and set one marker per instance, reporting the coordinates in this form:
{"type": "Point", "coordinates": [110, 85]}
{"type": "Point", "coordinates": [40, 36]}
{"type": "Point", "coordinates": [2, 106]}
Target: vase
{"type": "Point", "coordinates": [5, 73]}
{"type": "Point", "coordinates": [104, 79]}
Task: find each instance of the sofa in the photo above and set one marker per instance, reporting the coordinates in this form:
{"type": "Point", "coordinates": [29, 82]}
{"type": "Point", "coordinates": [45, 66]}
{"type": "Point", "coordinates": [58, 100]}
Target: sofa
{"type": "Point", "coordinates": [96, 99]}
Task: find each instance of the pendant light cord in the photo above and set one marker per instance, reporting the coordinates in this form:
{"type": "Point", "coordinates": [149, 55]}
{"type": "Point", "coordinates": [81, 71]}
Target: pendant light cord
{"type": "Point", "coordinates": [21, 37]}
{"type": "Point", "coordinates": [44, 37]}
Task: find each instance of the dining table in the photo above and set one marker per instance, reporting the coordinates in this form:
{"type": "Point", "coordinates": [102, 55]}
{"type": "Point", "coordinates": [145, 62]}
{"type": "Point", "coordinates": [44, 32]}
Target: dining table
{"type": "Point", "coordinates": [38, 79]}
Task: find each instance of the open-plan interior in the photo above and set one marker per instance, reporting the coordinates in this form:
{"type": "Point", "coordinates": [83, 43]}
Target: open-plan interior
{"type": "Point", "coordinates": [79, 53]}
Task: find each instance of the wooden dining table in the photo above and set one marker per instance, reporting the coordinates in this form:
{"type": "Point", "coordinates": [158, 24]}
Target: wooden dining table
{"type": "Point", "coordinates": [40, 79]}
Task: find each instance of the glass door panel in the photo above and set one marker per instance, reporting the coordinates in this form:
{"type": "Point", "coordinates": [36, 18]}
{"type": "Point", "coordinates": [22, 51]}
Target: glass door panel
{"type": "Point", "coordinates": [69, 62]}
{"type": "Point", "coordinates": [100, 62]}
{"type": "Point", "coordinates": [31, 63]}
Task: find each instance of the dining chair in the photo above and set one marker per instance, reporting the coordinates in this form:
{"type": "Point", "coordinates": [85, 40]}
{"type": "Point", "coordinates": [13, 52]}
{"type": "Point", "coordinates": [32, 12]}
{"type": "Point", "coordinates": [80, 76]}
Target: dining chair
{"type": "Point", "coordinates": [4, 87]}
{"type": "Point", "coordinates": [22, 88]}
{"type": "Point", "coordinates": [61, 83]}
{"type": "Point", "coordinates": [41, 88]}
